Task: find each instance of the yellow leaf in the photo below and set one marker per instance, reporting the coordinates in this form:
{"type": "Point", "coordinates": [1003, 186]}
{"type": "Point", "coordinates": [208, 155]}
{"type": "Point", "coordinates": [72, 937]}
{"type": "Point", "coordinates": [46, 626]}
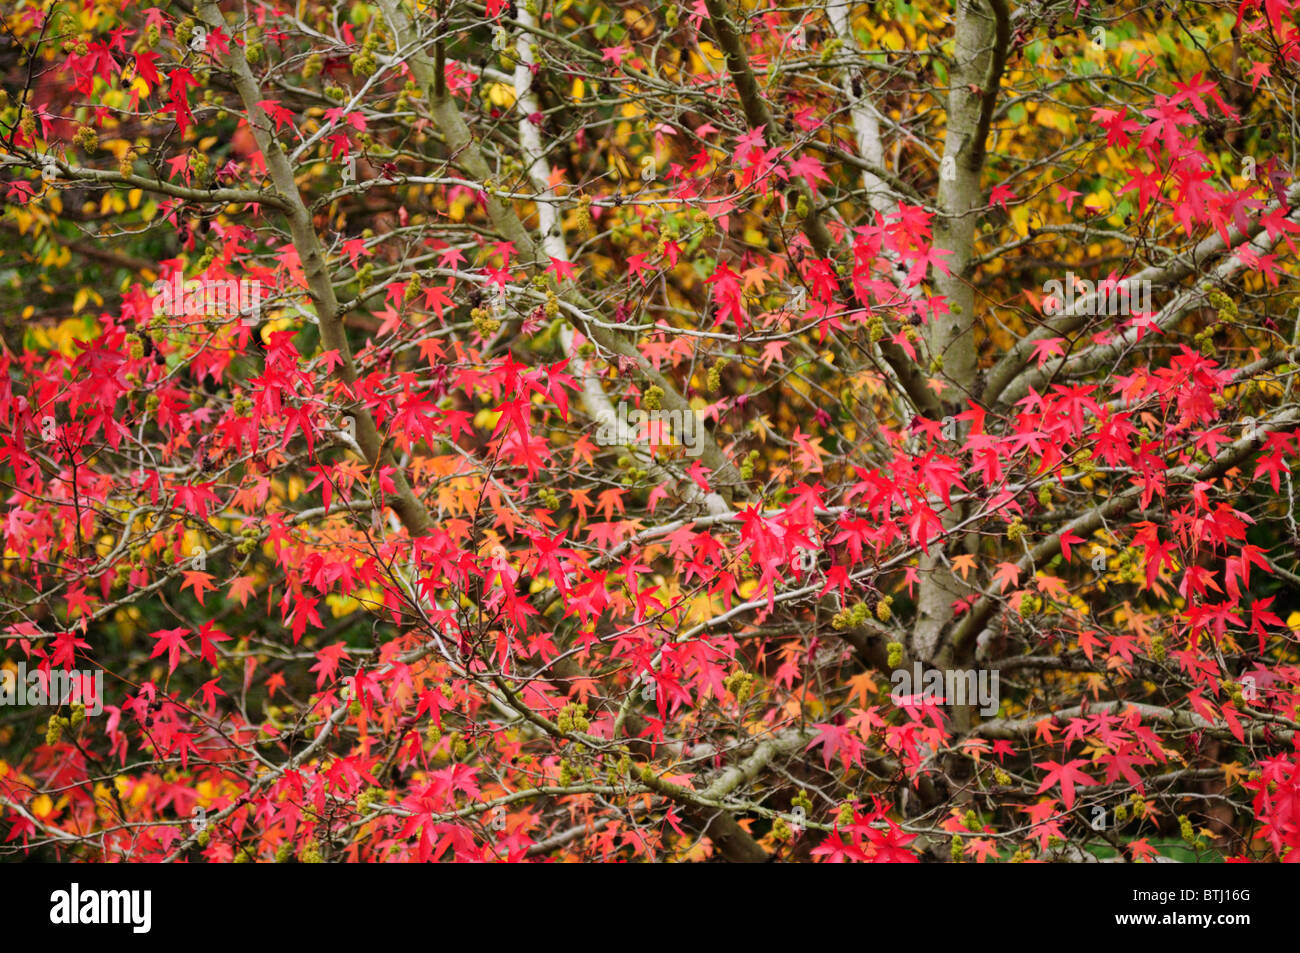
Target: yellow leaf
{"type": "Point", "coordinates": [501, 95]}
{"type": "Point", "coordinates": [1234, 773]}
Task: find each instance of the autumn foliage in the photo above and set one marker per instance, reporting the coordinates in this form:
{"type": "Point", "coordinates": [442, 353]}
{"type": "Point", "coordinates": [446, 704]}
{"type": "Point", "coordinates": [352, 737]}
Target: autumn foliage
{"type": "Point", "coordinates": [321, 323]}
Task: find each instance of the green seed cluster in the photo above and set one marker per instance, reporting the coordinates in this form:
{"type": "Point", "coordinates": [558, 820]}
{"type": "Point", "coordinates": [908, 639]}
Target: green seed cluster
{"type": "Point", "coordinates": [1030, 604]}
{"type": "Point", "coordinates": [55, 728]}
{"type": "Point", "coordinates": [185, 30]}
{"type": "Point", "coordinates": [413, 289]}
{"type": "Point", "coordinates": [368, 798]}
{"type": "Point", "coordinates": [634, 472]}
{"type": "Point", "coordinates": [585, 223]}
{"type": "Point", "coordinates": [573, 718]}
{"type": "Point", "coordinates": [410, 91]}
{"type": "Point", "coordinates": [1234, 692]}
{"type": "Point", "coordinates": [484, 323]}
{"type": "Point", "coordinates": [741, 685]}
{"type": "Point", "coordinates": [87, 139]}
{"type": "Point", "coordinates": [851, 617]}
{"type": "Point", "coordinates": [459, 746]}
{"type": "Point", "coordinates": [248, 539]}
{"type": "Point", "coordinates": [1127, 566]}
{"type": "Point", "coordinates": [363, 63]}
{"type": "Point", "coordinates": [506, 55]}
{"type": "Point", "coordinates": [895, 656]}
{"type": "Point", "coordinates": [1227, 317]}
{"type": "Point", "coordinates": [715, 374]}
{"type": "Point", "coordinates": [366, 275]}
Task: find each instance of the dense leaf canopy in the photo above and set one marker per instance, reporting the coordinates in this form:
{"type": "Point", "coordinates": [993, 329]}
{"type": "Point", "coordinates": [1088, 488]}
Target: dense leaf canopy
{"type": "Point", "coordinates": [612, 430]}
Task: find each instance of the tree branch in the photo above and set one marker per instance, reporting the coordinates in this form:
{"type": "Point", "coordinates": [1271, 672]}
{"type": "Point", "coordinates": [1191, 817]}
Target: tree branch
{"type": "Point", "coordinates": [408, 507]}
